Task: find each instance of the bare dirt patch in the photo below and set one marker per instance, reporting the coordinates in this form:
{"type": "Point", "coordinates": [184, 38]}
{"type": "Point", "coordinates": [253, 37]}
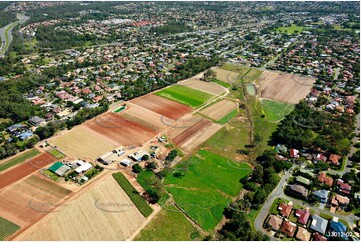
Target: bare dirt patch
{"type": "Point", "coordinates": [209, 87]}
{"type": "Point", "coordinates": [219, 109]}
{"type": "Point", "coordinates": [284, 87]}
{"type": "Point", "coordinates": [143, 116]}
{"type": "Point", "coordinates": [120, 130]}
{"type": "Point", "coordinates": [104, 212]}
{"type": "Point", "coordinates": [162, 106]}
{"type": "Point", "coordinates": [31, 199]}
{"type": "Point", "coordinates": [226, 76]}
{"type": "Point", "coordinates": [25, 169]}
{"type": "Point", "coordinates": [80, 142]}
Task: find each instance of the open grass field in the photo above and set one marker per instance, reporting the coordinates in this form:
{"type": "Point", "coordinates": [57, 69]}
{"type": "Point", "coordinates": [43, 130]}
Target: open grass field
{"type": "Point", "coordinates": [103, 212]}
{"type": "Point", "coordinates": [18, 159]}
{"type": "Point", "coordinates": [290, 29]}
{"type": "Point", "coordinates": [133, 194]}
{"type": "Point", "coordinates": [219, 109]}
{"type": "Point", "coordinates": [168, 225]}
{"type": "Point", "coordinates": [119, 129]}
{"type": "Point", "coordinates": [80, 142]}
{"type": "Point", "coordinates": [228, 140]}
{"type": "Point", "coordinates": [21, 171]}
{"type": "Point", "coordinates": [251, 75]}
{"type": "Point", "coordinates": [209, 182]}
{"type": "Point", "coordinates": [31, 199]}
{"type": "Point", "coordinates": [289, 88]}
{"type": "Point", "coordinates": [208, 87]}
{"type": "Point", "coordinates": [275, 111]}
{"type": "Point", "coordinates": [7, 228]}
{"type": "Point", "coordinates": [143, 116]}
{"type": "Point", "coordinates": [165, 107]}
{"type": "Point", "coordinates": [185, 95]}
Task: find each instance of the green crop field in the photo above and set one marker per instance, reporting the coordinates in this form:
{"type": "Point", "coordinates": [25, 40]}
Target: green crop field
{"type": "Point", "coordinates": [7, 228]}
{"type": "Point", "coordinates": [19, 159]}
{"type": "Point", "coordinates": [169, 224]}
{"type": "Point", "coordinates": [276, 111]}
{"type": "Point", "coordinates": [223, 84]}
{"type": "Point", "coordinates": [133, 194]}
{"type": "Point", "coordinates": [228, 117]}
{"type": "Point", "coordinates": [56, 153]}
{"type": "Point", "coordinates": [209, 182]}
{"type": "Point", "coordinates": [291, 29]}
{"type": "Point", "coordinates": [185, 95]}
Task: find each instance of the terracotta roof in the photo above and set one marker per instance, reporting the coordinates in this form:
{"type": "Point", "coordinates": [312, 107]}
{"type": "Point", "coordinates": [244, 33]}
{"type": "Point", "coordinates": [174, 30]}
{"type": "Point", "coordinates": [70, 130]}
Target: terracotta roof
{"type": "Point", "coordinates": [325, 179]}
{"type": "Point", "coordinates": [285, 209]}
{"type": "Point", "coordinates": [303, 234]}
{"type": "Point", "coordinates": [289, 228]}
{"type": "Point", "coordinates": [334, 159]}
{"type": "Point", "coordinates": [294, 153]}
{"type": "Point", "coordinates": [275, 222]}
{"type": "Point", "coordinates": [344, 187]}
{"type": "Point", "coordinates": [303, 216]}
{"type": "Point", "coordinates": [340, 200]}
{"type": "Point", "coordinates": [318, 237]}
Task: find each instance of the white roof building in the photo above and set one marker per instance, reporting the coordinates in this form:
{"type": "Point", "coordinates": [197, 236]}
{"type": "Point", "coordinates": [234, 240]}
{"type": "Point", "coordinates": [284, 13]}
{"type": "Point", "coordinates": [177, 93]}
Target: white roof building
{"type": "Point", "coordinates": [83, 168]}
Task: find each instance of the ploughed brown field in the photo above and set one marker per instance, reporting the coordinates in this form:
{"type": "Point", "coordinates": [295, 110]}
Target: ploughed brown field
{"type": "Point", "coordinates": [165, 107]}
{"type": "Point", "coordinates": [25, 169]}
{"type": "Point", "coordinates": [219, 110]}
{"type": "Point", "coordinates": [28, 201]}
{"type": "Point", "coordinates": [103, 212]}
{"type": "Point", "coordinates": [284, 87]}
{"type": "Point", "coordinates": [119, 129]}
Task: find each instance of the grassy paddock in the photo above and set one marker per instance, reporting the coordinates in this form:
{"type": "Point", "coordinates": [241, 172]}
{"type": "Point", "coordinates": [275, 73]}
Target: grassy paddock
{"type": "Point", "coordinates": [185, 95]}
{"type": "Point", "coordinates": [228, 117]}
{"type": "Point", "coordinates": [21, 158]}
{"type": "Point", "coordinates": [7, 228]}
{"type": "Point", "coordinates": [276, 111]}
{"type": "Point", "coordinates": [133, 194]}
{"type": "Point", "coordinates": [169, 224]}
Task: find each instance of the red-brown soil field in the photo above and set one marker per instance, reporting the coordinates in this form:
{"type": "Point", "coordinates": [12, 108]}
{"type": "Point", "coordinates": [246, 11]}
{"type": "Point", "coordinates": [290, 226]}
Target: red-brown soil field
{"type": "Point", "coordinates": [192, 130]}
{"type": "Point", "coordinates": [31, 199]}
{"type": "Point", "coordinates": [25, 169]}
{"type": "Point", "coordinates": [120, 129]}
{"type": "Point", "coordinates": [163, 106]}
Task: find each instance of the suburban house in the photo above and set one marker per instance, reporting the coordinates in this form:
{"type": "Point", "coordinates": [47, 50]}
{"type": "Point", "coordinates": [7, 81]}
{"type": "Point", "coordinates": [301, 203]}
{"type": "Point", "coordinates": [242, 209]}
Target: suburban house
{"type": "Point", "coordinates": [302, 216]}
{"type": "Point", "coordinates": [307, 172]}
{"type": "Point", "coordinates": [339, 228]}
{"type": "Point", "coordinates": [334, 159]}
{"type": "Point", "coordinates": [288, 228]}
{"type": "Point", "coordinates": [318, 224]}
{"type": "Point", "coordinates": [340, 201]}
{"type": "Point", "coordinates": [274, 222]}
{"type": "Point", "coordinates": [35, 120]}
{"type": "Point", "coordinates": [318, 237]}
{"type": "Point", "coordinates": [343, 187]}
{"type": "Point", "coordinates": [298, 189]}
{"type": "Point", "coordinates": [321, 195]}
{"type": "Point", "coordinates": [302, 180]}
{"type": "Point", "coordinates": [303, 234]}
{"type": "Point", "coordinates": [323, 178]}
{"type": "Point", "coordinates": [285, 209]}
{"type": "Point", "coordinates": [294, 153]}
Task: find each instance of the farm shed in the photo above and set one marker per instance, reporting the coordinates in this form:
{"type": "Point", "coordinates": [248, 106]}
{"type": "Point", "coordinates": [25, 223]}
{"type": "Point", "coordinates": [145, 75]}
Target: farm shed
{"type": "Point", "coordinates": [55, 166]}
{"type": "Point", "coordinates": [108, 158]}
{"type": "Point", "coordinates": [83, 168]}
{"type": "Point", "coordinates": [125, 162]}
{"type": "Point", "coordinates": [62, 170]}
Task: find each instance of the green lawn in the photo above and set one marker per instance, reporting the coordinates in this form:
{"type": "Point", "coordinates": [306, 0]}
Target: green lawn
{"type": "Point", "coordinates": [276, 111]}
{"type": "Point", "coordinates": [209, 182]}
{"type": "Point", "coordinates": [223, 84]}
{"type": "Point", "coordinates": [291, 29]}
{"type": "Point", "coordinates": [19, 159]}
{"type": "Point", "coordinates": [185, 95]}
{"type": "Point", "coordinates": [133, 194]}
{"type": "Point", "coordinates": [7, 228]}
{"type": "Point", "coordinates": [228, 117]}
{"type": "Point", "coordinates": [169, 224]}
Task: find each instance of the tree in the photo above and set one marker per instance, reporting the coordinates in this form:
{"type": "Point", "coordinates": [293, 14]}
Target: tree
{"type": "Point", "coordinates": [257, 174]}
{"type": "Point", "coordinates": [145, 157]}
{"type": "Point", "coordinates": [172, 154]}
{"type": "Point", "coordinates": [151, 166]}
{"type": "Point", "coordinates": [137, 168]}
{"type": "Point", "coordinates": [209, 75]}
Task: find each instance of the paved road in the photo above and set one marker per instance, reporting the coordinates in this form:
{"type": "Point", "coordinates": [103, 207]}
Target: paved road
{"type": "Point", "coordinates": [6, 33]}
{"type": "Point", "coordinates": [277, 192]}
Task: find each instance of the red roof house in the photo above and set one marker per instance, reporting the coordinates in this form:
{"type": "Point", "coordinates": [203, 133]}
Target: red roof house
{"type": "Point", "coordinates": [303, 216]}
